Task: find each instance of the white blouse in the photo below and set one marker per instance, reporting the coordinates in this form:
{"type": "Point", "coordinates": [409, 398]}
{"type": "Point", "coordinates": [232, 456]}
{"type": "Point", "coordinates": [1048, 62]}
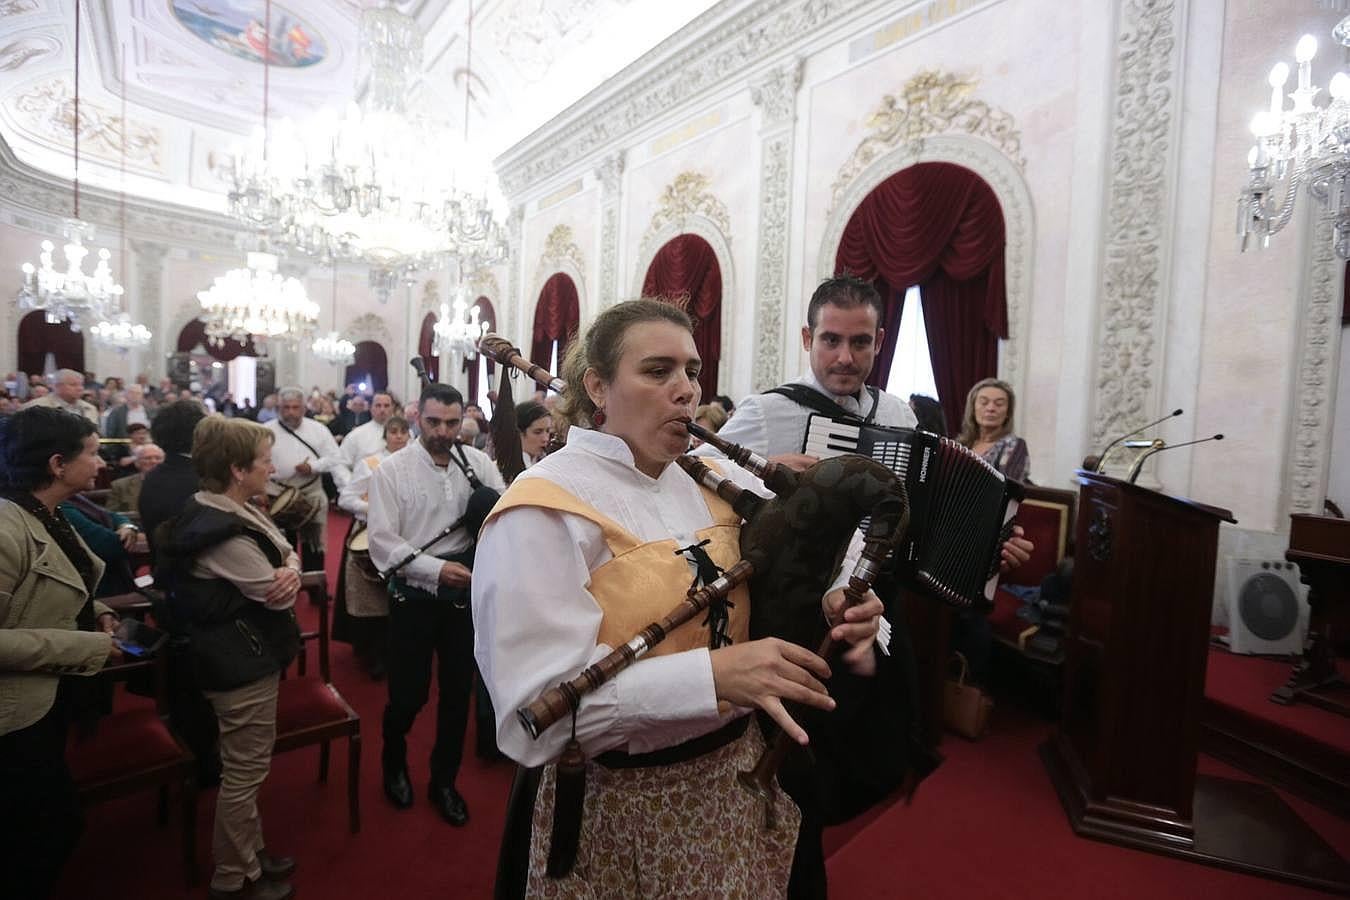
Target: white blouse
{"type": "Point", "coordinates": [354, 496]}
{"type": "Point", "coordinates": [535, 622]}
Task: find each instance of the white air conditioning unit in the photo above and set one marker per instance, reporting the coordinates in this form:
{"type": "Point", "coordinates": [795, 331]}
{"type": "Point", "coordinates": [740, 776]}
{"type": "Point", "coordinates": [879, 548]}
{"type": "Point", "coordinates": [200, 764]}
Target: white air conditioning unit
{"type": "Point", "coordinates": [1267, 607]}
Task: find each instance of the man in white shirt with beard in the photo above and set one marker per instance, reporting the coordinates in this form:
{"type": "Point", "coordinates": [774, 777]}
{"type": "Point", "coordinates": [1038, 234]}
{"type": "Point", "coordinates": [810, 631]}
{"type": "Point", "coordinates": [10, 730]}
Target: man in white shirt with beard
{"type": "Point", "coordinates": [364, 440]}
{"type": "Point", "coordinates": [415, 495]}
{"type": "Point", "coordinates": [302, 450]}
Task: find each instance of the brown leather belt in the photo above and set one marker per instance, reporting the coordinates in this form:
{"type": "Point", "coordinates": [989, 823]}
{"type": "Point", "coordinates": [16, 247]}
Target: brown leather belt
{"type": "Point", "coordinates": [667, 756]}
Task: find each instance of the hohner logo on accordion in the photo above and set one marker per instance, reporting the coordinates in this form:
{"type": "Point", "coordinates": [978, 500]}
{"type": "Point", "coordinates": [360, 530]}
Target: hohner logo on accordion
{"type": "Point", "coordinates": [962, 509]}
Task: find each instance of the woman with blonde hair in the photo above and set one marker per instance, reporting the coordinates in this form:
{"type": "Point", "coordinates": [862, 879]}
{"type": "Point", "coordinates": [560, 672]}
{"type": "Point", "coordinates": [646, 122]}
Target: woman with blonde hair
{"type": "Point", "coordinates": [232, 580]}
{"type": "Point", "coordinates": [987, 428]}
{"type": "Point", "coordinates": [600, 523]}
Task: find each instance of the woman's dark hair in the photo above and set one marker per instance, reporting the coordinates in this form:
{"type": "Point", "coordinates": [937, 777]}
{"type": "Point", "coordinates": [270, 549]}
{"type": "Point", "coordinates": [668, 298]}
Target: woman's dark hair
{"type": "Point", "coordinates": [31, 437]}
{"type": "Point", "coordinates": [174, 423]}
{"type": "Point", "coordinates": [528, 413]}
{"type": "Point", "coordinates": [929, 413]}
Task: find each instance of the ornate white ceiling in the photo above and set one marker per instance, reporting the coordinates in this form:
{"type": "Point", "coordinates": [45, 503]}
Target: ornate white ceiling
{"type": "Point", "coordinates": [194, 80]}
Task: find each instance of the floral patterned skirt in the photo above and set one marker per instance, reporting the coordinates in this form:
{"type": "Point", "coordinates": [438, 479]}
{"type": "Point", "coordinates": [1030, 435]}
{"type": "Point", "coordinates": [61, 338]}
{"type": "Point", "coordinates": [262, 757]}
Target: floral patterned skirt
{"type": "Point", "coordinates": [684, 830]}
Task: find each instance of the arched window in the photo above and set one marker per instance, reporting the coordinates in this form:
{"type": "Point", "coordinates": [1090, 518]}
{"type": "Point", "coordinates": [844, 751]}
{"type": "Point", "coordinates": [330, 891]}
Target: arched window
{"type": "Point", "coordinates": [371, 367]}
{"type": "Point", "coordinates": [37, 339]}
{"type": "Point", "coordinates": [686, 269]}
{"type": "Point", "coordinates": [480, 368]}
{"type": "Point", "coordinates": [557, 315]}
{"type": "Point", "coordinates": [193, 336]}
{"type": "Point", "coordinates": [938, 226]}
{"type": "Point", "coordinates": [425, 344]}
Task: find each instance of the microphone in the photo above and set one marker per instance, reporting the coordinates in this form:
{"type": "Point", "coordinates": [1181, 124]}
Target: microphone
{"type": "Point", "coordinates": [1101, 459]}
{"type": "Point", "coordinates": [1139, 463]}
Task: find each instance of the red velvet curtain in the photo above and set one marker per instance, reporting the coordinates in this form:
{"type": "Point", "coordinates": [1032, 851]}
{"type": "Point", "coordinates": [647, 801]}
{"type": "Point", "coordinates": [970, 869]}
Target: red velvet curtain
{"type": "Point", "coordinates": [426, 340]}
{"type": "Point", "coordinates": [686, 267]}
{"type": "Point", "coordinates": [371, 366]}
{"type": "Point", "coordinates": [485, 314]}
{"type": "Point", "coordinates": [194, 333]}
{"type": "Point", "coordinates": [557, 316]}
{"type": "Point", "coordinates": [939, 226]}
{"type": "Point", "coordinates": [37, 339]}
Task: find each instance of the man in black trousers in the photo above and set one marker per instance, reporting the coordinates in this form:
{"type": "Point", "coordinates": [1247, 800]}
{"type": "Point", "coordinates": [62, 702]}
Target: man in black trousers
{"type": "Point", "coordinates": [415, 495]}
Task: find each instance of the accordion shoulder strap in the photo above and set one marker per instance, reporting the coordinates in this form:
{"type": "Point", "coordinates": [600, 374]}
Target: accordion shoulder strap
{"type": "Point", "coordinates": [813, 399]}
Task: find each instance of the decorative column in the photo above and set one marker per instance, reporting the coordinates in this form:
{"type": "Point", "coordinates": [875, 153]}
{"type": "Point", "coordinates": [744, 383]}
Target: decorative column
{"type": "Point", "coordinates": [1314, 391]}
{"type": "Point", "coordinates": [610, 173]}
{"type": "Point", "coordinates": [1139, 218]}
{"type": "Point", "coordinates": [515, 228]}
{"type": "Point", "coordinates": [147, 305]}
{"type": "Point", "coordinates": [775, 94]}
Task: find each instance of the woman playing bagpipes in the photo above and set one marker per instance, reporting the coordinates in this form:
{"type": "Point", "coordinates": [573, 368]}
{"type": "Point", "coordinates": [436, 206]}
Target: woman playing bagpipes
{"type": "Point", "coordinates": [582, 551]}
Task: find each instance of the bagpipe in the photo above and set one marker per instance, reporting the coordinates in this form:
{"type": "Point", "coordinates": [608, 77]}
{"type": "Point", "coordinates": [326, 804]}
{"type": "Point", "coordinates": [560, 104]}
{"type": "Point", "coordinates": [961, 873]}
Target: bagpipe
{"type": "Point", "coordinates": [792, 545]}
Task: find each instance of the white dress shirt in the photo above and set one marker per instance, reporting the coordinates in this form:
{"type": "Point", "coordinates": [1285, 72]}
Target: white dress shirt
{"type": "Point", "coordinates": [771, 424]}
{"type": "Point", "coordinates": [288, 452]}
{"type": "Point", "coordinates": [354, 496]}
{"type": "Point", "coordinates": [362, 441]}
{"type": "Point", "coordinates": [412, 500]}
{"type": "Point", "coordinates": [536, 624]}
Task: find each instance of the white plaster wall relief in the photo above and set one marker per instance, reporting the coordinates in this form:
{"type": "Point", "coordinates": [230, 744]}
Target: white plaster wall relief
{"type": "Point", "coordinates": [911, 127]}
{"type": "Point", "coordinates": [610, 173]}
{"type": "Point", "coordinates": [483, 283]}
{"type": "Point", "coordinates": [761, 32]}
{"type": "Point", "coordinates": [1315, 386]}
{"type": "Point", "coordinates": [775, 93]}
{"type": "Point", "coordinates": [18, 7]}
{"type": "Point", "coordinates": [29, 49]}
{"type": "Point", "coordinates": [515, 229]}
{"type": "Point", "coordinates": [45, 111]}
{"type": "Point", "coordinates": [1139, 216]}
{"type": "Point", "coordinates": [561, 254]}
{"type": "Point", "coordinates": [370, 327]}
{"type": "Point", "coordinates": [149, 296]}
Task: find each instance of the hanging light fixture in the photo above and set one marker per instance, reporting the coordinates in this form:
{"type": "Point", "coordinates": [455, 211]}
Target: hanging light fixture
{"type": "Point", "coordinates": [1300, 144]}
{"type": "Point", "coordinates": [257, 302]}
{"type": "Point", "coordinates": [69, 295]}
{"type": "Point", "coordinates": [383, 185]}
{"type": "Point", "coordinates": [458, 330]}
{"type": "Point", "coordinates": [333, 348]}
{"type": "Point", "coordinates": [118, 332]}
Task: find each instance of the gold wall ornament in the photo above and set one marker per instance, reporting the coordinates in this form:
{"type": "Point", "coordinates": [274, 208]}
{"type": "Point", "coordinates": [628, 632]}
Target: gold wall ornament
{"type": "Point", "coordinates": [483, 283]}
{"type": "Point", "coordinates": [686, 197]}
{"type": "Point", "coordinates": [431, 296]}
{"type": "Point", "coordinates": [930, 103]}
{"type": "Point", "coordinates": [561, 245]}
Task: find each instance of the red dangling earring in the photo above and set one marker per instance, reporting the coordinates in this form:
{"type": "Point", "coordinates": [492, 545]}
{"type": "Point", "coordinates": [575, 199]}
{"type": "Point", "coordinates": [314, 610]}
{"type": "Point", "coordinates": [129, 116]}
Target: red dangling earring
{"type": "Point", "coordinates": [598, 418]}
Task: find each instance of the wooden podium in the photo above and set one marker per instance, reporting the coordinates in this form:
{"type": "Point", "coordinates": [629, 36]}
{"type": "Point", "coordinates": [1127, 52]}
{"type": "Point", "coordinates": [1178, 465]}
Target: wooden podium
{"type": "Point", "coordinates": [1124, 756]}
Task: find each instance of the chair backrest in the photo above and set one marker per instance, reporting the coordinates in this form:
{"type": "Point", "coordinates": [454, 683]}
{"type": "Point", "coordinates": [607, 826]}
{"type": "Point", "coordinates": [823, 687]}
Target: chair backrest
{"type": "Point", "coordinates": [1048, 516]}
{"type": "Point", "coordinates": [315, 584]}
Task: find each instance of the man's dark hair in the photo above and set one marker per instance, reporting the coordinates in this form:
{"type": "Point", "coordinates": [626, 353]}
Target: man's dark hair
{"type": "Point", "coordinates": [136, 426]}
{"type": "Point", "coordinates": [30, 437]}
{"type": "Point", "coordinates": [724, 401]}
{"type": "Point", "coordinates": [174, 423]}
{"type": "Point", "coordinates": [441, 393]}
{"type": "Point", "coordinates": [846, 292]}
{"type": "Point", "coordinates": [929, 413]}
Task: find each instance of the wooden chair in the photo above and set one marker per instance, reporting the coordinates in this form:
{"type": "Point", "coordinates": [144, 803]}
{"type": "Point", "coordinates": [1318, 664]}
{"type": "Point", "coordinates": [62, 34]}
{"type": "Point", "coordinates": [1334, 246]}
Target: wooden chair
{"type": "Point", "coordinates": [310, 710]}
{"type": "Point", "coordinates": [133, 749]}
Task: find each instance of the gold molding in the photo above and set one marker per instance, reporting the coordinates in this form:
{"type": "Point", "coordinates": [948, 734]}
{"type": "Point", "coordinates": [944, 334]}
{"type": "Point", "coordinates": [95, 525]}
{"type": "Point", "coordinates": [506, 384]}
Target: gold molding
{"type": "Point", "coordinates": [930, 103]}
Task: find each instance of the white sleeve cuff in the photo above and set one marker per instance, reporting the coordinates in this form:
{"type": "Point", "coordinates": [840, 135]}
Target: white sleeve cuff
{"type": "Point", "coordinates": [672, 689]}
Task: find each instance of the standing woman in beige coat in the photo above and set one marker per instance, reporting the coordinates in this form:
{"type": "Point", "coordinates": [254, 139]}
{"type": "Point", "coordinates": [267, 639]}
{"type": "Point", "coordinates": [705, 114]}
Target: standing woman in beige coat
{"type": "Point", "coordinates": [51, 631]}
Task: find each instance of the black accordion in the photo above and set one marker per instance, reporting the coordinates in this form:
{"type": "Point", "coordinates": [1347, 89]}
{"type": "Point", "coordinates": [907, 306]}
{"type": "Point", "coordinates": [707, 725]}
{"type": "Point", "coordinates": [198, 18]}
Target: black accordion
{"type": "Point", "coordinates": [962, 509]}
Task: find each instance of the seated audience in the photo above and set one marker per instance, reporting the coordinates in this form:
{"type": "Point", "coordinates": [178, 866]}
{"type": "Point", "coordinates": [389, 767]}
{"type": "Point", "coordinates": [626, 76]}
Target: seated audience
{"type": "Point", "coordinates": [232, 579]}
{"type": "Point", "coordinates": [53, 636]}
{"type": "Point", "coordinates": [710, 416]}
{"type": "Point", "coordinates": [125, 495]}
{"type": "Point", "coordinates": [987, 428]}
{"type": "Point", "coordinates": [111, 536]}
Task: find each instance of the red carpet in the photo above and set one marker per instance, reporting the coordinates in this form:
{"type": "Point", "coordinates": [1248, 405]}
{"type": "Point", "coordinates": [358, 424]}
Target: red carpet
{"type": "Point", "coordinates": [987, 825]}
{"type": "Point", "coordinates": [1246, 682]}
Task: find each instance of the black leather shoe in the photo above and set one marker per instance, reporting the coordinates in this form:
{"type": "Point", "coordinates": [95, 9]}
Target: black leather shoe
{"type": "Point", "coordinates": [262, 889]}
{"type": "Point", "coordinates": [276, 868]}
{"type": "Point", "coordinates": [398, 788]}
{"type": "Point", "coordinates": [449, 804]}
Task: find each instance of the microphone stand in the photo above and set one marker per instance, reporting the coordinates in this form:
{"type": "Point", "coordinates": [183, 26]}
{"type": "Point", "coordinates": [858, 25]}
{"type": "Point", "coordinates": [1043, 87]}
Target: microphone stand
{"type": "Point", "coordinates": [1158, 446]}
{"type": "Point", "coordinates": [1106, 451]}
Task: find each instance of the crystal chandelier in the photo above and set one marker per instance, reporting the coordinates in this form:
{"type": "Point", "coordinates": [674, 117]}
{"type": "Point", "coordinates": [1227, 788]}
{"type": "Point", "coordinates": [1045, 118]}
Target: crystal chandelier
{"type": "Point", "coordinates": [1297, 145]}
{"type": "Point", "coordinates": [373, 187]}
{"type": "Point", "coordinates": [333, 348]}
{"type": "Point", "coordinates": [257, 302]}
{"type": "Point", "coordinates": [121, 334]}
{"type": "Point", "coordinates": [69, 294]}
{"type": "Point", "coordinates": [458, 330]}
